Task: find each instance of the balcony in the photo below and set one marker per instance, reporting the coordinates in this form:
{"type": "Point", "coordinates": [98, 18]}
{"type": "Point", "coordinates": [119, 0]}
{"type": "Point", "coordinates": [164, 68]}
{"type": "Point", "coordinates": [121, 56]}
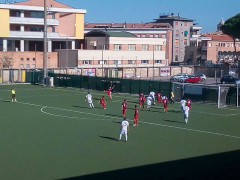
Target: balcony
{"type": "Point", "coordinates": [33, 21]}
{"type": "Point", "coordinates": [31, 34]}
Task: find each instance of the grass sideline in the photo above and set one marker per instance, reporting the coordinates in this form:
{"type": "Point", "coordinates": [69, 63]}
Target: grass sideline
{"type": "Point", "coordinates": [53, 134]}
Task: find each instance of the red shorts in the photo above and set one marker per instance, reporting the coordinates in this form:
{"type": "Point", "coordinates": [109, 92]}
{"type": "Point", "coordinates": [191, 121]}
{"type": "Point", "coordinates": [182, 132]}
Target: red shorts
{"type": "Point", "coordinates": [135, 118]}
{"type": "Point", "coordinates": [165, 106]}
{"type": "Point", "coordinates": [124, 112]}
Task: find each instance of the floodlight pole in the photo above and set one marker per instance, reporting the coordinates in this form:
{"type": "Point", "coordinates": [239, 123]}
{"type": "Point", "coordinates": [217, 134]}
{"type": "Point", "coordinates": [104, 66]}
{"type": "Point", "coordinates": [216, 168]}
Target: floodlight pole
{"type": "Point", "coordinates": [45, 74]}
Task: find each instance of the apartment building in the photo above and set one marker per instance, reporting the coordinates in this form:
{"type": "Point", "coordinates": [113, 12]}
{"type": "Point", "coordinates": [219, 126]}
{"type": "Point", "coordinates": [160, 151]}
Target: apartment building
{"type": "Point", "coordinates": [22, 26]}
{"type": "Point", "coordinates": [183, 30]}
{"type": "Point", "coordinates": [219, 49]}
{"type": "Point", "coordinates": [122, 54]}
{"type": "Point", "coordinates": [140, 30]}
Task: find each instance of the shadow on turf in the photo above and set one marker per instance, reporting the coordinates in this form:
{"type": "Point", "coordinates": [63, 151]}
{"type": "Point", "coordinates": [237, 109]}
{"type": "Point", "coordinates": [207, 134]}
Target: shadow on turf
{"type": "Point", "coordinates": [168, 120]}
{"type": "Point", "coordinates": [110, 138]}
{"type": "Point", "coordinates": [217, 166]}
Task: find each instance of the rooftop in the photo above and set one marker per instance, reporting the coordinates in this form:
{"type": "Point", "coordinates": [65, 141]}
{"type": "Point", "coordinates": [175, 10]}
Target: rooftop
{"type": "Point", "coordinates": [222, 37]}
{"type": "Point", "coordinates": [97, 33]}
{"type": "Point", "coordinates": [128, 25]}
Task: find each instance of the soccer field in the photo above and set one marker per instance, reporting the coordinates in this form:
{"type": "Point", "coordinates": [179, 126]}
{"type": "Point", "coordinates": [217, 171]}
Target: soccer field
{"type": "Point", "coordinates": [53, 134]}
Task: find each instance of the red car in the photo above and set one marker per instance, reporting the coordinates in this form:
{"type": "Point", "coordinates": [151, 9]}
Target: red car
{"type": "Point", "coordinates": [192, 79]}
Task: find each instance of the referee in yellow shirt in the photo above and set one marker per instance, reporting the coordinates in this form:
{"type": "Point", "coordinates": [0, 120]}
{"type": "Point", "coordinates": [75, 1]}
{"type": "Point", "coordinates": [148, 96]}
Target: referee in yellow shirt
{"type": "Point", "coordinates": [172, 97]}
{"type": "Point", "coordinates": [13, 95]}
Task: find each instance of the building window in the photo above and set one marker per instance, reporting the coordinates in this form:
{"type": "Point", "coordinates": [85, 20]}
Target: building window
{"type": "Point", "coordinates": [139, 35]}
{"type": "Point", "coordinates": [156, 36]}
{"type": "Point", "coordinates": [176, 23]}
{"type": "Point", "coordinates": [102, 62]}
{"type": "Point", "coordinates": [176, 57]}
{"type": "Point", "coordinates": [176, 42]}
{"type": "Point", "coordinates": [36, 14]}
{"type": "Point", "coordinates": [86, 62]}
{"type": "Point", "coordinates": [158, 61]}
{"type": "Point", "coordinates": [145, 47]}
{"type": "Point", "coordinates": [144, 61]}
{"type": "Point", "coordinates": [185, 23]}
{"type": "Point", "coordinates": [151, 35]}
{"type": "Point", "coordinates": [21, 66]}
{"type": "Point", "coordinates": [209, 44]}
{"type": "Point", "coordinates": [158, 48]}
{"type": "Point", "coordinates": [22, 59]}
{"type": "Point", "coordinates": [53, 29]}
{"type": "Point", "coordinates": [117, 62]}
{"type": "Point", "coordinates": [27, 66]}
{"type": "Point", "coordinates": [33, 66]}
{"type": "Point", "coordinates": [144, 35]}
{"type": "Point", "coordinates": [176, 51]}
{"type": "Point", "coordinates": [34, 59]}
{"type": "Point", "coordinates": [131, 47]}
{"type": "Point", "coordinates": [117, 47]}
{"type": "Point", "coordinates": [185, 42]}
{"type": "Point", "coordinates": [164, 36]}
{"type": "Point", "coordinates": [28, 59]}
{"type": "Point", "coordinates": [130, 62]}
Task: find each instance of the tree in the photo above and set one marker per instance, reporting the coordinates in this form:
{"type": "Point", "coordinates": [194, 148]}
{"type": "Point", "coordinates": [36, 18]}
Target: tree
{"type": "Point", "coordinates": [232, 28]}
{"type": "Point", "coordinates": [5, 60]}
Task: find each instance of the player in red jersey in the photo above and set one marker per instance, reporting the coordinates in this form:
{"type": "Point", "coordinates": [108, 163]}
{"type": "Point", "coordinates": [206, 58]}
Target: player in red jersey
{"type": "Point", "coordinates": [109, 92]}
{"type": "Point", "coordinates": [124, 107]}
{"type": "Point", "coordinates": [103, 102]}
{"type": "Point", "coordinates": [189, 103]}
{"type": "Point", "coordinates": [135, 119]}
{"type": "Point", "coordinates": [165, 104]}
{"type": "Point", "coordinates": [159, 98]}
{"type": "Point", "coordinates": [141, 100]}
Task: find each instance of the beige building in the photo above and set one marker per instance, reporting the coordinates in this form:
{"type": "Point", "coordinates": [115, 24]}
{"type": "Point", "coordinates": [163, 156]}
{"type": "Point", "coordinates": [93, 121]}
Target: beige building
{"type": "Point", "coordinates": [21, 32]}
{"type": "Point", "coordinates": [122, 54]}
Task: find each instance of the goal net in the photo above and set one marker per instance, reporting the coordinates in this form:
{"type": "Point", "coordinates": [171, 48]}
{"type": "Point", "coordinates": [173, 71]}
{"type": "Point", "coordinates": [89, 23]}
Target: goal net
{"type": "Point", "coordinates": [201, 93]}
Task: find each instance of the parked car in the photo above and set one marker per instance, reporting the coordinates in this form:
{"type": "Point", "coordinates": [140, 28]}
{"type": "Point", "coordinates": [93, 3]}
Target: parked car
{"type": "Point", "coordinates": [181, 79]}
{"type": "Point", "coordinates": [203, 77]}
{"type": "Point", "coordinates": [229, 79]}
{"type": "Point", "coordinates": [192, 79]}
{"type": "Point", "coordinates": [177, 76]}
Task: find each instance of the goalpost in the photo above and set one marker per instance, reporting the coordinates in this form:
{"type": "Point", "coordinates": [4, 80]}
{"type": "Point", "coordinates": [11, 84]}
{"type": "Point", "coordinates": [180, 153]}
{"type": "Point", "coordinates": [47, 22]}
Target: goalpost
{"type": "Point", "coordinates": [215, 94]}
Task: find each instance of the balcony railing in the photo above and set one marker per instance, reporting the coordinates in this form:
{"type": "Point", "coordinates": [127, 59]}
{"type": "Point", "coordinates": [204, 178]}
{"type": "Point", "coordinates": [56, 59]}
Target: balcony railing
{"type": "Point", "coordinates": [31, 34]}
{"type": "Point", "coordinates": [33, 21]}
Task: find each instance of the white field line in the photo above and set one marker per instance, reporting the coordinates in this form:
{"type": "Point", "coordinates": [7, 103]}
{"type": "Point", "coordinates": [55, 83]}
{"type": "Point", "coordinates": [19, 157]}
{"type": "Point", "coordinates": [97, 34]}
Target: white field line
{"type": "Point", "coordinates": [214, 114]}
{"type": "Point", "coordinates": [163, 125]}
{"type": "Point", "coordinates": [144, 122]}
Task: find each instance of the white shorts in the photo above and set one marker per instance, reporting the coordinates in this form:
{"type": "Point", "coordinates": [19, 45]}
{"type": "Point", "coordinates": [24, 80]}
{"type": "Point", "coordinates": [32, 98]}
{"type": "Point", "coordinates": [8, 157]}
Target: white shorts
{"type": "Point", "coordinates": [185, 115]}
{"type": "Point", "coordinates": [123, 131]}
{"type": "Point", "coordinates": [90, 102]}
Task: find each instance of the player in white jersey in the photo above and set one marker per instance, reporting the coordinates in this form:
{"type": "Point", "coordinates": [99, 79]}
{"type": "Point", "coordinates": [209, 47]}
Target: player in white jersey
{"type": "Point", "coordinates": [124, 129]}
{"type": "Point", "coordinates": [89, 98]}
{"type": "Point", "coordinates": [149, 102]}
{"type": "Point", "coordinates": [183, 104]}
{"type": "Point", "coordinates": [186, 113]}
{"type": "Point", "coordinates": [152, 94]}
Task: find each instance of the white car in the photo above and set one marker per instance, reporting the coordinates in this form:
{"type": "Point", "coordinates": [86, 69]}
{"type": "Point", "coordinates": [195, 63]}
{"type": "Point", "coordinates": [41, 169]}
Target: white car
{"type": "Point", "coordinates": [203, 77]}
{"type": "Point", "coordinates": [177, 76]}
{"type": "Point", "coordinates": [181, 79]}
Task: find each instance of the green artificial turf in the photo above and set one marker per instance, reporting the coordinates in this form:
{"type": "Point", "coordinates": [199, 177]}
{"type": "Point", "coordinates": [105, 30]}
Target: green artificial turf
{"type": "Point", "coordinates": [53, 134]}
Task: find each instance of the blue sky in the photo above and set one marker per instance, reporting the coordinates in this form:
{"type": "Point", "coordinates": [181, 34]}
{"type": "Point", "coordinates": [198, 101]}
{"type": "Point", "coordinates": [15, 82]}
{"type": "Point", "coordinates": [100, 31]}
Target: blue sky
{"type": "Point", "coordinates": [207, 13]}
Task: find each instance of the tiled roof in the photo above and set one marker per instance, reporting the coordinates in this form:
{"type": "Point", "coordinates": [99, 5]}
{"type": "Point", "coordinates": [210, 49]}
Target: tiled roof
{"type": "Point", "coordinates": [97, 33]}
{"type": "Point", "coordinates": [50, 3]}
{"type": "Point", "coordinates": [223, 37]}
{"type": "Point", "coordinates": [127, 25]}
